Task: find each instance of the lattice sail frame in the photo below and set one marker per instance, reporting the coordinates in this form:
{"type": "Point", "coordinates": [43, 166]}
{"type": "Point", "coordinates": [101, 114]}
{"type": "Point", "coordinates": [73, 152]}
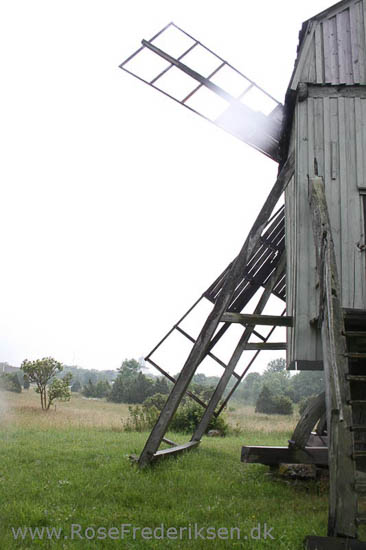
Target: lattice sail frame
{"type": "Point", "coordinates": [193, 75]}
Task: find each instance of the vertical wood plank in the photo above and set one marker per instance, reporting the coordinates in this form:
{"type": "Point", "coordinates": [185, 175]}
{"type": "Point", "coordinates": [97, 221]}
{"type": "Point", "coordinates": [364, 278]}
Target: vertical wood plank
{"type": "Point", "coordinates": [327, 51]}
{"type": "Point", "coordinates": [342, 48]}
{"type": "Point", "coordinates": [319, 53]}
{"type": "Point", "coordinates": [342, 198]}
{"type": "Point", "coordinates": [333, 45]}
{"type": "Point", "coordinates": [355, 41]}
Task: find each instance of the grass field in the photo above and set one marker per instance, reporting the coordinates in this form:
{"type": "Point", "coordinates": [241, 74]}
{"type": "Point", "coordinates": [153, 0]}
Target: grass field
{"type": "Point", "coordinates": [70, 467]}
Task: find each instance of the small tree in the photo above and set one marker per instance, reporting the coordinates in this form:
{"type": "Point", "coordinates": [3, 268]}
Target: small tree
{"type": "Point", "coordinates": [41, 373]}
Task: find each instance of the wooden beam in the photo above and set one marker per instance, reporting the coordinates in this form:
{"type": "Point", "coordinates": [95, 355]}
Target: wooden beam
{"type": "Point", "coordinates": [200, 348]}
{"type": "Point", "coordinates": [263, 346]}
{"type": "Point", "coordinates": [284, 455]}
{"type": "Point", "coordinates": [306, 365]}
{"type": "Point", "coordinates": [251, 319]}
{"type": "Point", "coordinates": [312, 413]}
{"type": "Point", "coordinates": [333, 543]}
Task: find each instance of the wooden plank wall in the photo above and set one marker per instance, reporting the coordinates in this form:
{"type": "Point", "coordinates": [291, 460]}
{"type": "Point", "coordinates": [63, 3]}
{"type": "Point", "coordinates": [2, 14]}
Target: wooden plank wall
{"type": "Point", "coordinates": [331, 139]}
{"type": "Point", "coordinates": [334, 51]}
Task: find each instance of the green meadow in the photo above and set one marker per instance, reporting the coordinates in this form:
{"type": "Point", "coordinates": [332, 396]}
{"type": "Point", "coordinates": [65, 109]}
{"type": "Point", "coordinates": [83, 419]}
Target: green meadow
{"type": "Point", "coordinates": [67, 472]}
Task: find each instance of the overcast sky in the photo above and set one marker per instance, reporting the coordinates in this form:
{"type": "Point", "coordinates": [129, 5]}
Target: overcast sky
{"type": "Point", "coordinates": [118, 206]}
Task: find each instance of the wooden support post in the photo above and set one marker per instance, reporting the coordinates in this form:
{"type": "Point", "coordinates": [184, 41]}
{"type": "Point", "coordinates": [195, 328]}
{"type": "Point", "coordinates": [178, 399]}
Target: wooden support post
{"type": "Point", "coordinates": [201, 346]}
{"type": "Point", "coordinates": [342, 472]}
{"type": "Point", "coordinates": [221, 386]}
{"type": "Point", "coordinates": [309, 418]}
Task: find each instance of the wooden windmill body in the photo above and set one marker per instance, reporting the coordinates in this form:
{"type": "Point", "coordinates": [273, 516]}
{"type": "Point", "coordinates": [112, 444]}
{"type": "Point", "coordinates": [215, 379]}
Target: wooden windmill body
{"type": "Point", "coordinates": [310, 254]}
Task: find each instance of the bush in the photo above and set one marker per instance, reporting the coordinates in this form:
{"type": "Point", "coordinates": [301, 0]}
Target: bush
{"type": "Point", "coordinates": [268, 403]}
{"type": "Point", "coordinates": [187, 418]}
{"type": "Point", "coordinates": [141, 418]}
{"type": "Point", "coordinates": [157, 400]}
{"type": "Point", "coordinates": [283, 405]}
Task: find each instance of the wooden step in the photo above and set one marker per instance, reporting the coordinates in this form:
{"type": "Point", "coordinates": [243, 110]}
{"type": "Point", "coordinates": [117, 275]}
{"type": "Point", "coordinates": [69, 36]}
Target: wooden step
{"type": "Point", "coordinates": [265, 346]}
{"type": "Point", "coordinates": [355, 334]}
{"type": "Point", "coordinates": [252, 319]}
{"type": "Point", "coordinates": [175, 450]}
{"type": "Point", "coordinates": [355, 355]}
{"type": "Point", "coordinates": [356, 377]}
{"type": "Point", "coordinates": [356, 402]}
{"type": "Point", "coordinates": [358, 428]}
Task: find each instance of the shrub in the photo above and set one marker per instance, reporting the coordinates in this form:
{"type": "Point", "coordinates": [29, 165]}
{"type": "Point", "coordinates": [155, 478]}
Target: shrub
{"type": "Point", "coordinates": [268, 403]}
{"type": "Point", "coordinates": [283, 405]}
{"type": "Point", "coordinates": [141, 418]}
{"type": "Point", "coordinates": [157, 400]}
{"type": "Point", "coordinates": [187, 418]}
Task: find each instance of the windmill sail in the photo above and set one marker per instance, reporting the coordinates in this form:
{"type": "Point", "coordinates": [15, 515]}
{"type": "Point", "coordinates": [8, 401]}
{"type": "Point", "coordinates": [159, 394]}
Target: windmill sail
{"type": "Point", "coordinates": [182, 68]}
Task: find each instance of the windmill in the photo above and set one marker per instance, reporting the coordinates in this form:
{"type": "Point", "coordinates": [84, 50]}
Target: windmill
{"type": "Point", "coordinates": [310, 253]}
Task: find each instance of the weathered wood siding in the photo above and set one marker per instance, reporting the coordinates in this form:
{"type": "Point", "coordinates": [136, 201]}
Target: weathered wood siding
{"type": "Point", "coordinates": [330, 139]}
{"type": "Point", "coordinates": [333, 50]}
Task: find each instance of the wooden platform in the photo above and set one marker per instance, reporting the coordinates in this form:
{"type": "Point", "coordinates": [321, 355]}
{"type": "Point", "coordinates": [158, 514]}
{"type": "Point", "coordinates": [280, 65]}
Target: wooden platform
{"type": "Point", "coordinates": [284, 455]}
{"type": "Point", "coordinates": [333, 543]}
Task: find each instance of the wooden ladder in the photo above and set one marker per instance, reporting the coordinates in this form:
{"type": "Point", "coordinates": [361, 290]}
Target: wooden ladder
{"type": "Point", "coordinates": [203, 344]}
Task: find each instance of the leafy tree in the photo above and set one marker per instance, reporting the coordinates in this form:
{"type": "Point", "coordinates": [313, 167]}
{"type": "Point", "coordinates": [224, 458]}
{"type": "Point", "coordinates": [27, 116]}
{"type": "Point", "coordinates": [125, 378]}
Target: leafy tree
{"type": "Point", "coordinates": [277, 365]}
{"type": "Point", "coordinates": [42, 372]}
{"type": "Point", "coordinates": [250, 388]}
{"type": "Point", "coordinates": [161, 385]}
{"type": "Point", "coordinates": [59, 389]}
{"type": "Point", "coordinates": [131, 385]}
{"type": "Point", "coordinates": [26, 384]}
{"type": "Point", "coordinates": [307, 383]}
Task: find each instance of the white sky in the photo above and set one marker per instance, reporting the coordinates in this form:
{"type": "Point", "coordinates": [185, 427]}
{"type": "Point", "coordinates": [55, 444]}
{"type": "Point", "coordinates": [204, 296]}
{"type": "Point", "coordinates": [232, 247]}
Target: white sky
{"type": "Point", "coordinates": [118, 206]}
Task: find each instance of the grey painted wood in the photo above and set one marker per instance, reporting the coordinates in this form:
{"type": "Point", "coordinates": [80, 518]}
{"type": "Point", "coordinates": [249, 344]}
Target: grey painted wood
{"type": "Point", "coordinates": [332, 130]}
